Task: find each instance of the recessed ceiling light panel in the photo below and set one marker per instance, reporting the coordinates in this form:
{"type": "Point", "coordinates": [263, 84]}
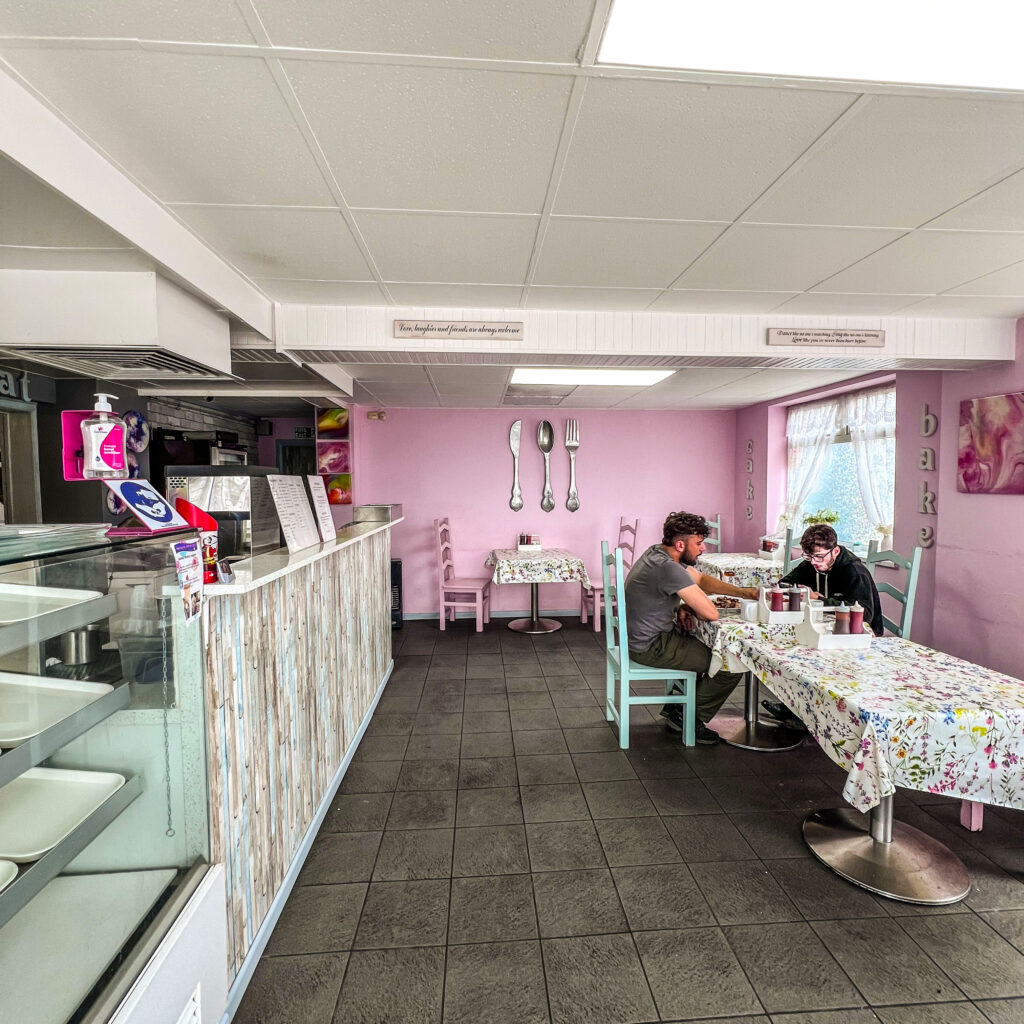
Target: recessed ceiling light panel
{"type": "Point", "coordinates": [581, 377]}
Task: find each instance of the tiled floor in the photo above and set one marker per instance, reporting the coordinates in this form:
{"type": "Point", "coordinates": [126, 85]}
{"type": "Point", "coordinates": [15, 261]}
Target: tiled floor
{"type": "Point", "coordinates": [493, 857]}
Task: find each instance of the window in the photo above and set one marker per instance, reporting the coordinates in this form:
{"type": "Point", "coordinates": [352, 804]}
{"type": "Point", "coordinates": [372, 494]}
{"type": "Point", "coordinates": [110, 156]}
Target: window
{"type": "Point", "coordinates": [842, 456]}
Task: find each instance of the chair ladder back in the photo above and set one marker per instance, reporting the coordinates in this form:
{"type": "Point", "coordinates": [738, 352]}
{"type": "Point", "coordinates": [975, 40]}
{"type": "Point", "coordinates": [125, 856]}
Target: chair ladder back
{"type": "Point", "coordinates": [627, 541]}
{"type": "Point", "coordinates": [716, 541]}
{"type": "Point", "coordinates": [608, 578]}
{"type": "Point", "coordinates": [906, 596]}
{"type": "Point", "coordinates": [445, 562]}
{"type": "Point", "coordinates": [788, 561]}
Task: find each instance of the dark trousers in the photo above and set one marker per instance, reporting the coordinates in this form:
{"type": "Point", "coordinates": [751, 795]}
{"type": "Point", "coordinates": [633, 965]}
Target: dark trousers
{"type": "Point", "coordinates": [677, 649]}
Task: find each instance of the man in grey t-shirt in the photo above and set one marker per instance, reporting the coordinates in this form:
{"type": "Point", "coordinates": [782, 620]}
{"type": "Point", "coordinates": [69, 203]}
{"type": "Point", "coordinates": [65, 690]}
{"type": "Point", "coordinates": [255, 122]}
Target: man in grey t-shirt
{"type": "Point", "coordinates": [661, 578]}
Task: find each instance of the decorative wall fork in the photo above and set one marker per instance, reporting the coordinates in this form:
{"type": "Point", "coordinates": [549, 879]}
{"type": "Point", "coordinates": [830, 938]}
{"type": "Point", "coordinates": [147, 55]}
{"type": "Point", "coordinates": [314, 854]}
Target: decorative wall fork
{"type": "Point", "coordinates": [572, 442]}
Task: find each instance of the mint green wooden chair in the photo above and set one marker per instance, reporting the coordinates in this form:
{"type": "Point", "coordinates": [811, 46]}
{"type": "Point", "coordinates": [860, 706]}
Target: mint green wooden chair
{"type": "Point", "coordinates": [715, 541]}
{"type": "Point", "coordinates": [788, 561]}
{"type": "Point", "coordinates": [621, 670]}
{"type": "Point", "coordinates": [905, 596]}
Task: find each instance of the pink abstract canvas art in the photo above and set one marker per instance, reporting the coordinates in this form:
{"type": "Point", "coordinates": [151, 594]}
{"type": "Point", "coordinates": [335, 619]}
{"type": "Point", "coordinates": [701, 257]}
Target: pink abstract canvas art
{"type": "Point", "coordinates": [333, 457]}
{"type": "Point", "coordinates": [991, 458]}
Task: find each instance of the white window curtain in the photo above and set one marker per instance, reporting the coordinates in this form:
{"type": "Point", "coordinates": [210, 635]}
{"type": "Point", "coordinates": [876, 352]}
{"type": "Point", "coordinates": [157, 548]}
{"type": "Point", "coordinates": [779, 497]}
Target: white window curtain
{"type": "Point", "coordinates": [809, 432]}
{"type": "Point", "coordinates": [871, 419]}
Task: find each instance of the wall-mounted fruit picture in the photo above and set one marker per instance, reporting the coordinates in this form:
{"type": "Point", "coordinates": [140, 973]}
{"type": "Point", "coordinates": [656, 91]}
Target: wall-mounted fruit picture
{"type": "Point", "coordinates": [332, 424]}
{"type": "Point", "coordinates": [333, 457]}
{"type": "Point", "coordinates": [339, 488]}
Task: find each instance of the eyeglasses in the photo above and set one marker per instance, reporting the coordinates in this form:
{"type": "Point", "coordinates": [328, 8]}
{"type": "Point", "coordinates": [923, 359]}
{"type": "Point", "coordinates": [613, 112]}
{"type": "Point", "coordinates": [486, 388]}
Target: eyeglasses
{"type": "Point", "coordinates": [815, 556]}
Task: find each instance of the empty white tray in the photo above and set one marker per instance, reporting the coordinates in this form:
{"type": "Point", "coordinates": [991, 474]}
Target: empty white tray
{"type": "Point", "coordinates": [43, 805]}
{"type": "Point", "coordinates": [21, 601]}
{"type": "Point", "coordinates": [30, 704]}
{"type": "Point", "coordinates": [8, 871]}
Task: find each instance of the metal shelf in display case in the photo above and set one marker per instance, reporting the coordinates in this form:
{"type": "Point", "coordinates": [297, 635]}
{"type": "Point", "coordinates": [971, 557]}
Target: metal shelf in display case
{"type": "Point", "coordinates": [31, 614]}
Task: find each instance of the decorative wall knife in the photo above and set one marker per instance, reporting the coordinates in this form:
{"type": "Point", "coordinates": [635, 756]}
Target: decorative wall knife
{"type": "Point", "coordinates": [516, 502]}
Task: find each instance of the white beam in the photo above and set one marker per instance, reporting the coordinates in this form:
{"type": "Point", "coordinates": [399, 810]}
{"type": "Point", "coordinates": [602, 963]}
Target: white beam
{"type": "Point", "coordinates": [34, 137]}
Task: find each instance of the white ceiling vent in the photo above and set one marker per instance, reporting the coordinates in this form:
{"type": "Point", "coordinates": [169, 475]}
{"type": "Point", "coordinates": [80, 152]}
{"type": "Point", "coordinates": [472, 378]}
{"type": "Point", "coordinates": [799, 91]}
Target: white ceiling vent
{"type": "Point", "coordinates": [118, 363]}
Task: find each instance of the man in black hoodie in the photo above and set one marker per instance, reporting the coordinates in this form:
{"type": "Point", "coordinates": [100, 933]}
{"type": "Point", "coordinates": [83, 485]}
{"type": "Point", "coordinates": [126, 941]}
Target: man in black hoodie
{"type": "Point", "coordinates": [836, 575]}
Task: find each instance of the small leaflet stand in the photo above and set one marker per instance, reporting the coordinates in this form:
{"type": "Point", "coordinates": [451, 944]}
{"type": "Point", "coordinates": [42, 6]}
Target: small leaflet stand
{"type": "Point", "coordinates": [147, 505]}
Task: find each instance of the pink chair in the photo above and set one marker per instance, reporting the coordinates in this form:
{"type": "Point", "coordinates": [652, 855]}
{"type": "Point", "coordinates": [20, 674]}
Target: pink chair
{"type": "Point", "coordinates": [593, 599]}
{"type": "Point", "coordinates": [459, 591]}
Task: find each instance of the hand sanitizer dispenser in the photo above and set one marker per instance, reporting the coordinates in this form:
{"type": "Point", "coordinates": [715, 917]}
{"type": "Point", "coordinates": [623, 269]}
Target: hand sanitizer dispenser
{"type": "Point", "coordinates": [103, 443]}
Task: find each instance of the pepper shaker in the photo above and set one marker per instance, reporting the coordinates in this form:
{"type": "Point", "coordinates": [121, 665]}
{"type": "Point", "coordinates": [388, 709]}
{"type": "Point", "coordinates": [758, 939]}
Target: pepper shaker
{"type": "Point", "coordinates": [842, 626]}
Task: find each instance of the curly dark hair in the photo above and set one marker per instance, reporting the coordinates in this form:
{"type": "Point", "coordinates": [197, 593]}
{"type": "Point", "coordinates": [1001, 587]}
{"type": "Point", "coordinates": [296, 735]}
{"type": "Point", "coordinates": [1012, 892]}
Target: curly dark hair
{"type": "Point", "coordinates": [818, 535]}
{"type": "Point", "coordinates": [683, 524]}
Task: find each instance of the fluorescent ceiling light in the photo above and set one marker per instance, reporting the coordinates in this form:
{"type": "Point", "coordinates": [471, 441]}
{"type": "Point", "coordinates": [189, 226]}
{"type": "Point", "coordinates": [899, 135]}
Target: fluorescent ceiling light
{"type": "Point", "coordinates": [585, 376]}
{"type": "Point", "coordinates": [919, 42]}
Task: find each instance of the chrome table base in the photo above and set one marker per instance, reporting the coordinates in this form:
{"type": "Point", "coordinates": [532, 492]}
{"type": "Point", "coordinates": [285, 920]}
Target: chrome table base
{"type": "Point", "coordinates": [742, 729]}
{"type": "Point", "coordinates": [534, 624]}
{"type": "Point", "coordinates": [885, 856]}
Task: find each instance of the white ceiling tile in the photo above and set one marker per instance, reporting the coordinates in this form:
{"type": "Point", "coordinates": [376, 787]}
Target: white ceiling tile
{"type": "Point", "coordinates": [482, 399]}
{"type": "Point", "coordinates": [683, 150]}
{"type": "Point", "coordinates": [434, 139]}
{"type": "Point", "coordinates": [928, 262]}
{"type": "Point", "coordinates": [690, 382]}
{"type": "Point", "coordinates": [738, 302]}
{"type": "Point", "coordinates": [763, 257]}
{"type": "Point", "coordinates": [901, 161]}
{"type": "Point", "coordinates": [190, 128]}
{"type": "Point", "coordinates": [363, 396]}
{"type": "Point", "coordinates": [393, 373]}
{"type": "Point", "coordinates": [207, 21]}
{"type": "Point", "coordinates": [415, 294]}
{"type": "Point", "coordinates": [322, 293]}
{"type": "Point", "coordinates": [279, 243]}
{"type": "Point", "coordinates": [1008, 281]}
{"type": "Point", "coordinates": [966, 306]}
{"type": "Point", "coordinates": [595, 397]}
{"type": "Point", "coordinates": [999, 208]}
{"type": "Point", "coordinates": [409, 396]}
{"type": "Point", "coordinates": [421, 247]}
{"type": "Point", "coordinates": [619, 253]}
{"type": "Point", "coordinates": [533, 30]}
{"type": "Point", "coordinates": [856, 304]}
{"type": "Point", "coordinates": [546, 297]}
{"type": "Point", "coordinates": [465, 378]}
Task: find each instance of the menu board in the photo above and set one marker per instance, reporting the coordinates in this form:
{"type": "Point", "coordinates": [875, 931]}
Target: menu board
{"type": "Point", "coordinates": [322, 507]}
{"type": "Point", "coordinates": [293, 510]}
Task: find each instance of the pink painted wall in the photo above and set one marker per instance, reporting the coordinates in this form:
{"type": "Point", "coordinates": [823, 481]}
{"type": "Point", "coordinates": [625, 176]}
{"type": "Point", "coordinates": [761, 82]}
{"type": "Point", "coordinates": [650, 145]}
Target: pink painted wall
{"type": "Point", "coordinates": [765, 425]}
{"type": "Point", "coordinates": [284, 430]}
{"type": "Point", "coordinates": [457, 463]}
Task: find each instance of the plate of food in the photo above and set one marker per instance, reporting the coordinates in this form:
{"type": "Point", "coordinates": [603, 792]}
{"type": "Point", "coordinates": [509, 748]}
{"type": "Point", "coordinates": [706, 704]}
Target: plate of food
{"type": "Point", "coordinates": [726, 604]}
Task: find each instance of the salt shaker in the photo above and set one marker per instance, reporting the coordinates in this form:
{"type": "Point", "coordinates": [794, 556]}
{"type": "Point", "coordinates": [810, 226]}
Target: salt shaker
{"type": "Point", "coordinates": [856, 618]}
{"type": "Point", "coordinates": [843, 620]}
{"type": "Point", "coordinates": [778, 599]}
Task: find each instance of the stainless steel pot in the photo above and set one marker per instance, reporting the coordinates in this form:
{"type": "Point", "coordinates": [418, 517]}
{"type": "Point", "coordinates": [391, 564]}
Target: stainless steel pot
{"type": "Point", "coordinates": [84, 645]}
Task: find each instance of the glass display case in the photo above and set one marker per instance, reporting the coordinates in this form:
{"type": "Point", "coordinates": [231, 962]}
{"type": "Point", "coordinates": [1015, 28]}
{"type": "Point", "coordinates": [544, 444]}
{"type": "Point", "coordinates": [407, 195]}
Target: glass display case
{"type": "Point", "coordinates": [103, 790]}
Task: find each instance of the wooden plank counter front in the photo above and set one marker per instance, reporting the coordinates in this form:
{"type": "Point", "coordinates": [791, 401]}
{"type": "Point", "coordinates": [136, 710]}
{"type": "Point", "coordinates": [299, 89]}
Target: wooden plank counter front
{"type": "Point", "coordinates": [297, 652]}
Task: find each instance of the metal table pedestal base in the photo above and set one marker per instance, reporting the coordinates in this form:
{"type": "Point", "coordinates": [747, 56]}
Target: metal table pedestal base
{"type": "Point", "coordinates": [742, 729]}
{"type": "Point", "coordinates": [534, 624]}
{"type": "Point", "coordinates": [885, 856]}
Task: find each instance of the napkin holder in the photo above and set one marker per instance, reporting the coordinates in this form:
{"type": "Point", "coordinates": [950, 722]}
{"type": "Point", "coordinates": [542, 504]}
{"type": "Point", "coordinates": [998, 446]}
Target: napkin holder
{"type": "Point", "coordinates": [767, 617]}
{"type": "Point", "coordinates": [816, 635]}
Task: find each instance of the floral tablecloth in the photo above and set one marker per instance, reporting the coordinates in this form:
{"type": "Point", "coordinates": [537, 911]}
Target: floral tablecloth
{"type": "Point", "coordinates": [897, 714]}
{"type": "Point", "coordinates": [552, 565]}
{"type": "Point", "coordinates": [747, 569]}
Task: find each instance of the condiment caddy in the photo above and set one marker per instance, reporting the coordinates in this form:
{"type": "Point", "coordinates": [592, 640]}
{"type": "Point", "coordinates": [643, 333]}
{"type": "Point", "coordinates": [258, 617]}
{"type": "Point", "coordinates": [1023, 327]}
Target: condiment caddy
{"type": "Point", "coordinates": [770, 549]}
{"type": "Point", "coordinates": [528, 543]}
{"type": "Point", "coordinates": [781, 607]}
{"type": "Point", "coordinates": [849, 632]}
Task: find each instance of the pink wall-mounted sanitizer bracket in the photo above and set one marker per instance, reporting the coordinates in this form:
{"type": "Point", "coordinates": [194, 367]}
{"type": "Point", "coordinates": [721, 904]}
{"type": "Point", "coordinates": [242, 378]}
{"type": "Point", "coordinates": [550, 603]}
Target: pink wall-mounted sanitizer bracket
{"type": "Point", "coordinates": [72, 450]}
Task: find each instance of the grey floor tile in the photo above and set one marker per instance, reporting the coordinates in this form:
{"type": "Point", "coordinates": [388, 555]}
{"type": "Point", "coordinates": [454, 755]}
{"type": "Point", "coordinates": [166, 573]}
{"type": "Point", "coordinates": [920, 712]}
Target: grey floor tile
{"type": "Point", "coordinates": [483, 665]}
{"type": "Point", "coordinates": [487, 772]}
{"type": "Point", "coordinates": [849, 1015]}
{"type": "Point", "coordinates": [337, 857]}
{"type": "Point", "coordinates": [499, 806]}
{"type": "Point", "coordinates": [564, 846]}
{"type": "Point", "coordinates": [694, 973]}
{"type": "Point", "coordinates": [791, 969]}
{"type": "Point", "coordinates": [492, 908]}
{"type": "Point", "coordinates": [442, 773]}
{"type": "Point", "coordinates": [622, 799]}
{"type": "Point", "coordinates": [525, 684]}
{"type": "Point", "coordinates": [583, 902]}
{"type": "Point", "coordinates": [558, 802]}
{"type": "Point", "coordinates": [487, 744]}
{"type": "Point", "coordinates": [596, 979]}
{"type": "Point", "coordinates": [585, 717]}
{"type": "Point", "coordinates": [539, 741]}
{"type": "Point", "coordinates": [1009, 924]}
{"type": "Point", "coordinates": [495, 684]}
{"type": "Point", "coordinates": [423, 809]}
{"type": "Point", "coordinates": [536, 718]}
{"type": "Point", "coordinates": [500, 981]}
{"type": "Point", "coordinates": [397, 986]}
{"type": "Point", "coordinates": [490, 850]}
{"type": "Point", "coordinates": [933, 1013]}
{"type": "Point", "coordinates": [414, 853]}
{"type": "Point", "coordinates": [381, 748]}
{"type": "Point", "coordinates": [545, 769]}
{"type": "Point", "coordinates": [485, 702]}
{"type": "Point", "coordinates": [681, 796]}
{"type": "Point", "coordinates": [582, 741]}
{"type": "Point", "coordinates": [288, 989]}
{"type": "Point", "coordinates": [974, 955]}
{"type": "Point", "coordinates": [404, 914]}
{"type": "Point", "coordinates": [1003, 1011]}
{"type": "Point", "coordinates": [370, 777]}
{"type": "Point", "coordinates": [773, 834]}
{"type": "Point", "coordinates": [659, 764]}
{"type": "Point", "coordinates": [603, 766]}
{"type": "Point", "coordinates": [992, 888]}
{"type": "Point", "coordinates": [485, 721]}
{"type": "Point", "coordinates": [566, 681]}
{"type": "Point", "coordinates": [744, 794]}
{"type": "Point", "coordinates": [632, 841]}
{"type": "Point", "coordinates": [534, 700]}
{"type": "Point", "coordinates": [521, 667]}
{"type": "Point", "coordinates": [743, 892]}
{"type": "Point", "coordinates": [391, 725]}
{"type": "Point", "coordinates": [820, 894]}
{"type": "Point", "coordinates": [430, 746]}
{"type": "Point", "coordinates": [661, 896]}
{"type": "Point", "coordinates": [318, 919]}
{"type": "Point", "coordinates": [357, 812]}
{"type": "Point", "coordinates": [707, 837]}
{"type": "Point", "coordinates": [804, 792]}
{"type": "Point", "coordinates": [582, 698]}
{"type": "Point", "coordinates": [904, 974]}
